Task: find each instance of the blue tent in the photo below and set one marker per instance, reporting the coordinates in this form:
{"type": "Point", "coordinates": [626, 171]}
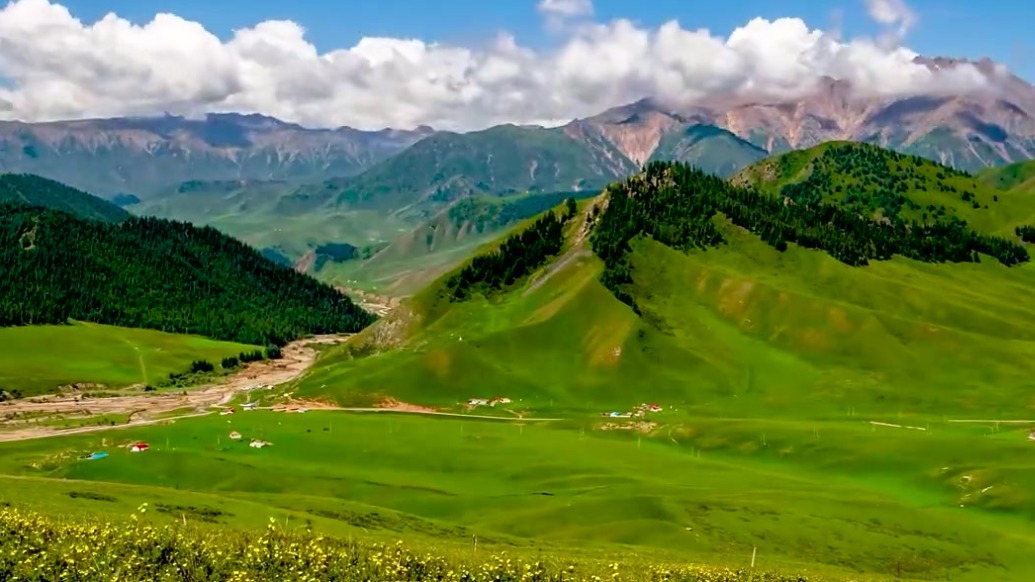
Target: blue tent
{"type": "Point", "coordinates": [96, 456]}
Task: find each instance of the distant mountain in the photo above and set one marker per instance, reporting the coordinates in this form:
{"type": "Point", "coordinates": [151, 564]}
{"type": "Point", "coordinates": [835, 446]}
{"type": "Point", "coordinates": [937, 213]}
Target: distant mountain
{"type": "Point", "coordinates": [446, 167]}
{"type": "Point", "coordinates": [145, 156]}
{"type": "Point", "coordinates": [158, 274]}
{"type": "Point", "coordinates": [30, 190]}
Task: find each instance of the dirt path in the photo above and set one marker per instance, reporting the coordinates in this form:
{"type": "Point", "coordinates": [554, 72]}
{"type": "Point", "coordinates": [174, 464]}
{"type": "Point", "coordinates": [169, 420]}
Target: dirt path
{"type": "Point", "coordinates": [144, 407]}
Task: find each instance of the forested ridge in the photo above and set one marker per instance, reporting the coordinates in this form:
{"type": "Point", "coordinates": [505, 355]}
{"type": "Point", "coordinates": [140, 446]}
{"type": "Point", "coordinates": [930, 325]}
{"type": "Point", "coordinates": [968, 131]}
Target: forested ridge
{"type": "Point", "coordinates": [32, 190]}
{"type": "Point", "coordinates": [676, 205]}
{"type": "Point", "coordinates": [157, 274]}
{"type": "Point", "coordinates": [519, 255]}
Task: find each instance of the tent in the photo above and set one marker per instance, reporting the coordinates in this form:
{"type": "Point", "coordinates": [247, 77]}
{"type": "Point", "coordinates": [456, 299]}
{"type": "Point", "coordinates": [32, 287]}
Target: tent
{"type": "Point", "coordinates": [139, 447]}
{"type": "Point", "coordinates": [235, 436]}
{"type": "Point", "coordinates": [95, 456]}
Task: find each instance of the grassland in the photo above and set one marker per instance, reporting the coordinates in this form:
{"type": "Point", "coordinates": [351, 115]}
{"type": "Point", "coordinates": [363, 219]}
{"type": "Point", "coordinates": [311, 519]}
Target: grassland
{"type": "Point", "coordinates": [702, 491]}
{"type": "Point", "coordinates": [38, 359]}
{"type": "Point", "coordinates": [809, 418]}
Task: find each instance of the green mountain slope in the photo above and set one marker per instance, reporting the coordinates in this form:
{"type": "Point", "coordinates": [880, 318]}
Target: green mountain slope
{"type": "Point", "coordinates": [1019, 176]}
{"type": "Point", "coordinates": [447, 166]}
{"type": "Point", "coordinates": [710, 148]}
{"type": "Point", "coordinates": [880, 183]}
{"type": "Point", "coordinates": [157, 274]}
{"type": "Point", "coordinates": [791, 338]}
{"type": "Point", "coordinates": [414, 259]}
{"type": "Point", "coordinates": [36, 191]}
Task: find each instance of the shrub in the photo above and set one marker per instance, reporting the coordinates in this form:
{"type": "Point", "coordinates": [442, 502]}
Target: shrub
{"type": "Point", "coordinates": [201, 366]}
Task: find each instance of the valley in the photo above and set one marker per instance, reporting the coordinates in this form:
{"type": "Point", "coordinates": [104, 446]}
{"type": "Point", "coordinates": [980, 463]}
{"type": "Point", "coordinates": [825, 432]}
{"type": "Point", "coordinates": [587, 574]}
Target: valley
{"type": "Point", "coordinates": [855, 408]}
{"type": "Point", "coordinates": [634, 302]}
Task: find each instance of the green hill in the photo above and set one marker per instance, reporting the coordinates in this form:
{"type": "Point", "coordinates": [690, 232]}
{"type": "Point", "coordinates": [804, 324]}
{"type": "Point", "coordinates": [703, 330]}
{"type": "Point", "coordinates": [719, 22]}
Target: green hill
{"type": "Point", "coordinates": [157, 274]}
{"type": "Point", "coordinates": [447, 166]}
{"type": "Point", "coordinates": [805, 333]}
{"type": "Point", "coordinates": [1018, 176]}
{"type": "Point", "coordinates": [414, 259]}
{"type": "Point", "coordinates": [36, 191]}
{"type": "Point", "coordinates": [710, 148]}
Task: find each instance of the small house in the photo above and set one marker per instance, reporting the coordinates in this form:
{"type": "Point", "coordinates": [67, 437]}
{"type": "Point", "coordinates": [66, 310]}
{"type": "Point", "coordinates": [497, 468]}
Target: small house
{"type": "Point", "coordinates": [138, 447]}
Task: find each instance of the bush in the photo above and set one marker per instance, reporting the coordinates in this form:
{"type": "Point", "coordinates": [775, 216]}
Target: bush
{"type": "Point", "coordinates": [201, 367]}
{"type": "Point", "coordinates": [253, 356]}
{"type": "Point", "coordinates": [273, 352]}
{"type": "Point", "coordinates": [230, 362]}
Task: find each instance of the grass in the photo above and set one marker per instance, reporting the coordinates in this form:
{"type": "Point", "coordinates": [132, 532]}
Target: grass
{"type": "Point", "coordinates": [819, 497]}
{"type": "Point", "coordinates": [40, 548]}
{"type": "Point", "coordinates": [776, 364]}
{"type": "Point", "coordinates": [788, 381]}
{"type": "Point", "coordinates": [39, 359]}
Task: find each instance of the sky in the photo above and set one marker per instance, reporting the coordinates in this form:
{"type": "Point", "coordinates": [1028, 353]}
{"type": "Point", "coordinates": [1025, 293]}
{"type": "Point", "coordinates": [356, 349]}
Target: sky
{"type": "Point", "coordinates": [465, 64]}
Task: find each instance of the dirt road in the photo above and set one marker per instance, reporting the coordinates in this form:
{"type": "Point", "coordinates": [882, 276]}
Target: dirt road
{"type": "Point", "coordinates": [143, 408]}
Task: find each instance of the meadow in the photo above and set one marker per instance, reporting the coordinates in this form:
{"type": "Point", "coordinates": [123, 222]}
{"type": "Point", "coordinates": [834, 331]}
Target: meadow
{"type": "Point", "coordinates": [817, 421]}
{"type": "Point", "coordinates": [39, 359]}
{"type": "Point", "coordinates": [839, 499]}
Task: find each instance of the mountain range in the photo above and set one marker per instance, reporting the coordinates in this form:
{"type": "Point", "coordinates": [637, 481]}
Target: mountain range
{"type": "Point", "coordinates": [290, 190]}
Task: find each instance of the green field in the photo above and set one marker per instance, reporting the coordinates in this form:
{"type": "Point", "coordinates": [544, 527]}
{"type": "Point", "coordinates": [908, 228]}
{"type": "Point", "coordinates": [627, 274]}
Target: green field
{"type": "Point", "coordinates": [38, 359]}
{"type": "Point", "coordinates": [810, 416]}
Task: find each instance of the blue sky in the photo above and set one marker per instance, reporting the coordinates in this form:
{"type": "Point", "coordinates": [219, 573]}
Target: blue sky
{"type": "Point", "coordinates": [971, 28]}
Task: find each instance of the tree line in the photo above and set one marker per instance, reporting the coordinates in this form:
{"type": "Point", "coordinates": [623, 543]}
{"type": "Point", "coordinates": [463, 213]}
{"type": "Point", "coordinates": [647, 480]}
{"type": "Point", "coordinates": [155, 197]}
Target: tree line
{"type": "Point", "coordinates": [518, 256]}
{"type": "Point", "coordinates": [158, 274]}
{"type": "Point", "coordinates": [676, 205]}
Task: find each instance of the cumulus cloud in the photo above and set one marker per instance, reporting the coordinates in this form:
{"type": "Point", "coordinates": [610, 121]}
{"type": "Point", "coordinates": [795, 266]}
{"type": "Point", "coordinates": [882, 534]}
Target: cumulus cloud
{"type": "Point", "coordinates": [60, 67]}
{"type": "Point", "coordinates": [897, 16]}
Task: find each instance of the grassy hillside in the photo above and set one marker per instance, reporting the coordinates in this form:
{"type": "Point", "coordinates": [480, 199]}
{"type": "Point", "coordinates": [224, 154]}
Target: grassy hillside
{"type": "Point", "coordinates": [1019, 176]}
{"type": "Point", "coordinates": [785, 363]}
{"type": "Point", "coordinates": [157, 274]}
{"type": "Point", "coordinates": [30, 190]}
{"type": "Point", "coordinates": [32, 363]}
{"type": "Point", "coordinates": [880, 183]}
{"type": "Point", "coordinates": [416, 258]}
{"type": "Point", "coordinates": [710, 148]}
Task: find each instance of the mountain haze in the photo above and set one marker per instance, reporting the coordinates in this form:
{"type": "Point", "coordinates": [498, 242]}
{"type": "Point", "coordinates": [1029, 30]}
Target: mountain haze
{"type": "Point", "coordinates": [144, 156]}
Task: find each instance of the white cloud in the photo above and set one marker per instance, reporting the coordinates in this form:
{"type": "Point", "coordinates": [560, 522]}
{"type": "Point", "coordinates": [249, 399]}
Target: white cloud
{"type": "Point", "coordinates": [566, 7]}
{"type": "Point", "coordinates": [59, 67]}
{"type": "Point", "coordinates": [895, 15]}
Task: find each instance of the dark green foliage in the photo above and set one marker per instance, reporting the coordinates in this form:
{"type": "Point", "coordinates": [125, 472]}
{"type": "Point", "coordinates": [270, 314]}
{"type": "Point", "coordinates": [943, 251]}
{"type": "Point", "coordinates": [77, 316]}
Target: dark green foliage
{"type": "Point", "coordinates": [255, 356]}
{"type": "Point", "coordinates": [517, 257]}
{"type": "Point", "coordinates": [32, 190]}
{"type": "Point", "coordinates": [1026, 232]}
{"type": "Point", "coordinates": [273, 352]}
{"type": "Point", "coordinates": [158, 274]}
{"type": "Point", "coordinates": [229, 363]}
{"type": "Point", "coordinates": [676, 205]}
{"type": "Point", "coordinates": [201, 367]}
